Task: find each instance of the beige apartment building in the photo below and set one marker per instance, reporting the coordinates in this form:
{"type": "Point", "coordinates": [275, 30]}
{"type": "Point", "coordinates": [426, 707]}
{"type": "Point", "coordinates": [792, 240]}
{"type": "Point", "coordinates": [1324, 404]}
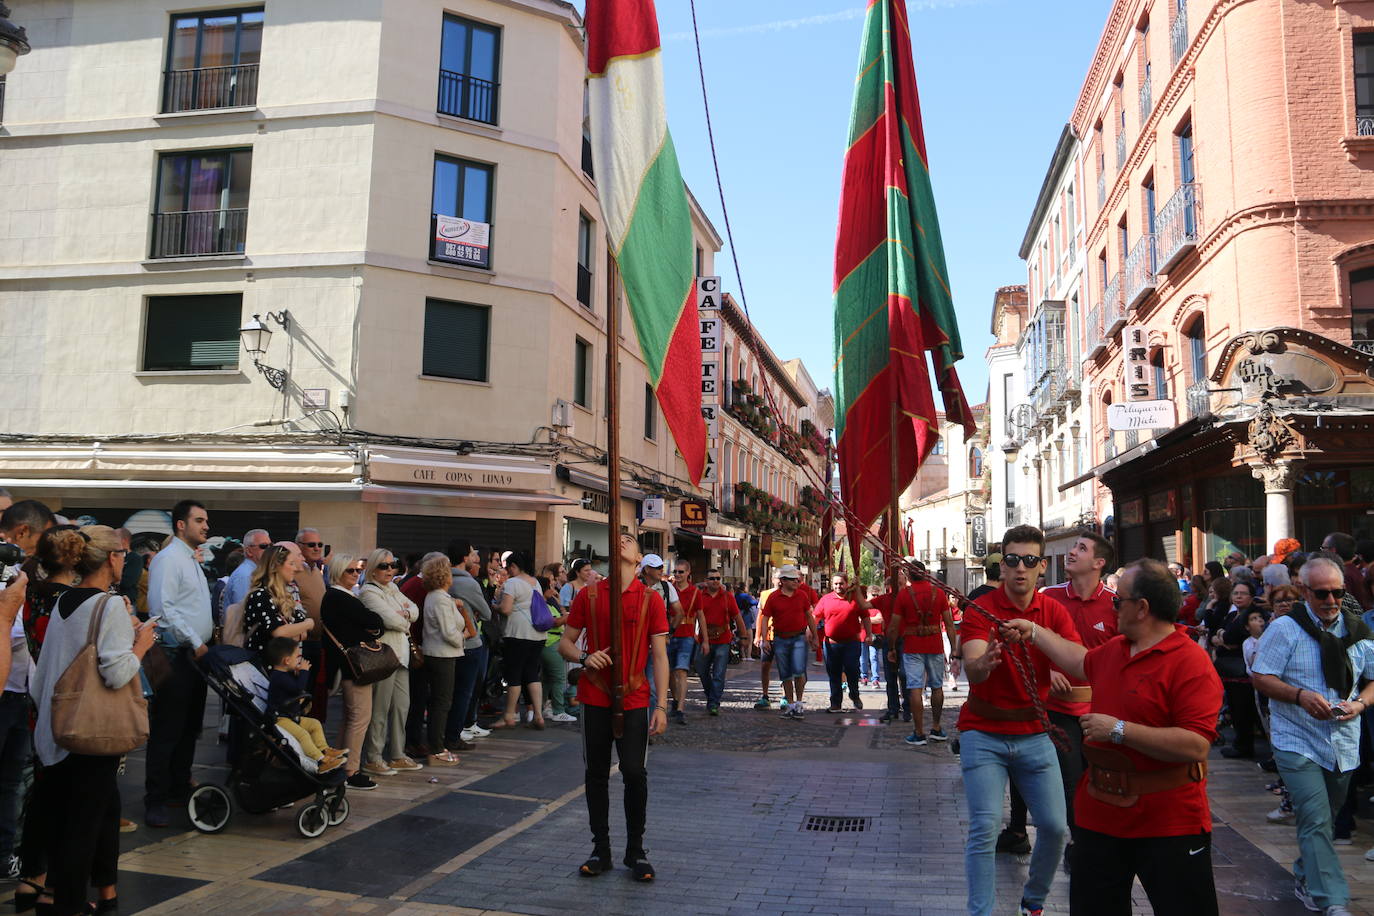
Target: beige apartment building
{"type": "Point", "coordinates": [335, 263]}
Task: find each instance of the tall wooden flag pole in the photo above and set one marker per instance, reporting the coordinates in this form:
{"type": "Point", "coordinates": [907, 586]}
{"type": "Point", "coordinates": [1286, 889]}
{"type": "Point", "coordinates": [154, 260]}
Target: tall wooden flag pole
{"type": "Point", "coordinates": [616, 586]}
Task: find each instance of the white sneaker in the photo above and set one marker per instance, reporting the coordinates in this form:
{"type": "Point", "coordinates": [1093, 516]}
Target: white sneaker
{"type": "Point", "coordinates": [1279, 815]}
{"type": "Point", "coordinates": [479, 732]}
{"type": "Point", "coordinates": [1369, 855]}
{"type": "Point", "coordinates": [466, 734]}
{"type": "Point", "coordinates": [548, 710]}
{"type": "Point", "coordinates": [529, 715]}
{"type": "Point", "coordinates": [1304, 896]}
{"type": "Point", "coordinates": [561, 717]}
{"type": "Point", "coordinates": [1336, 909]}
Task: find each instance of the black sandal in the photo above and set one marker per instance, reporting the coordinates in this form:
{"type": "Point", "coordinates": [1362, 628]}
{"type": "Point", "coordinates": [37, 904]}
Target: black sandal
{"type": "Point", "coordinates": [599, 863]}
{"type": "Point", "coordinates": [24, 901]}
{"type": "Point", "coordinates": [107, 906]}
{"type": "Point", "coordinates": [641, 868]}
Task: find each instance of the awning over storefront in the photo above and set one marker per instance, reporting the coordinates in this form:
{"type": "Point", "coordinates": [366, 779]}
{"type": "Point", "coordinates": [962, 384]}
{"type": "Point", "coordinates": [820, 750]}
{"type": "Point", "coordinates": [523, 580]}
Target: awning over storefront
{"type": "Point", "coordinates": [593, 482]}
{"type": "Point", "coordinates": [719, 542]}
{"type": "Point", "coordinates": [139, 464]}
{"type": "Point", "coordinates": [373, 493]}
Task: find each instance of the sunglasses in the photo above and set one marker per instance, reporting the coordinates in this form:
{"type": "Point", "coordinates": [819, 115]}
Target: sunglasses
{"type": "Point", "coordinates": [713, 578]}
{"type": "Point", "coordinates": [312, 544]}
{"type": "Point", "coordinates": [395, 565]}
{"type": "Point", "coordinates": [1325, 593]}
{"type": "Point", "coordinates": [1029, 560]}
{"type": "Point", "coordinates": [263, 546]}
{"type": "Point", "coordinates": [788, 579]}
{"type": "Point", "coordinates": [355, 570]}
{"type": "Point", "coordinates": [1117, 601]}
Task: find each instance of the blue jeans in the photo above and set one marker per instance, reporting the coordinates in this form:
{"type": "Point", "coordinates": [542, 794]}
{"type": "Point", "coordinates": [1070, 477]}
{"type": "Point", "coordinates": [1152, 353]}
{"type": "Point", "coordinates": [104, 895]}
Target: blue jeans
{"type": "Point", "coordinates": [870, 664]}
{"type": "Point", "coordinates": [1317, 793]}
{"type": "Point", "coordinates": [987, 760]}
{"type": "Point", "coordinates": [711, 669]}
{"type": "Point", "coordinates": [789, 655]}
{"type": "Point", "coordinates": [16, 747]}
{"type": "Point", "coordinates": [468, 677]}
{"type": "Point", "coordinates": [898, 700]}
{"type": "Point", "coordinates": [682, 652]}
{"type": "Point", "coordinates": [842, 661]}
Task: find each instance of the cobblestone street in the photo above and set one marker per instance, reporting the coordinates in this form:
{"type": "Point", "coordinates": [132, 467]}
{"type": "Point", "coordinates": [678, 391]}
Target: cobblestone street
{"type": "Point", "coordinates": [505, 832]}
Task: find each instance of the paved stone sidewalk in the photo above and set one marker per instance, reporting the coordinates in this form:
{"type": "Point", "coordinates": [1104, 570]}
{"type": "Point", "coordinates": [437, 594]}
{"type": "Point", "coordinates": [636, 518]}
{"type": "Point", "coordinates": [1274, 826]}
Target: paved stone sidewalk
{"type": "Point", "coordinates": [504, 832]}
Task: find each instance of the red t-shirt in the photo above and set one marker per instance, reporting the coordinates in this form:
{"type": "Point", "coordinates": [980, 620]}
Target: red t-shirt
{"type": "Point", "coordinates": [414, 589]}
{"type": "Point", "coordinates": [841, 617]}
{"type": "Point", "coordinates": [690, 599]}
{"type": "Point", "coordinates": [788, 613]}
{"type": "Point", "coordinates": [876, 623]}
{"type": "Point", "coordinates": [922, 605]}
{"type": "Point", "coordinates": [1170, 685]}
{"type": "Point", "coordinates": [1095, 621]}
{"type": "Point", "coordinates": [1187, 612]}
{"type": "Point", "coordinates": [636, 655]}
{"type": "Point", "coordinates": [719, 611]}
{"type": "Point", "coordinates": [1004, 688]}
{"type": "Point", "coordinates": [882, 604]}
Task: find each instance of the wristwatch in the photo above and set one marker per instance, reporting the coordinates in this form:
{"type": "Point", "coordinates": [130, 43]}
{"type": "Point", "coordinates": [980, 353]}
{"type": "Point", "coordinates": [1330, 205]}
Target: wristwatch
{"type": "Point", "coordinates": [583, 659]}
{"type": "Point", "coordinates": [1118, 735]}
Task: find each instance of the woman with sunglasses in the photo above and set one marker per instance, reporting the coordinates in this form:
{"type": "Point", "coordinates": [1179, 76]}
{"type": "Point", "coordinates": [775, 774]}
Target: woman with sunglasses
{"type": "Point", "coordinates": [272, 608]}
{"type": "Point", "coordinates": [391, 695]}
{"type": "Point", "coordinates": [1227, 644]}
{"type": "Point", "coordinates": [348, 620]}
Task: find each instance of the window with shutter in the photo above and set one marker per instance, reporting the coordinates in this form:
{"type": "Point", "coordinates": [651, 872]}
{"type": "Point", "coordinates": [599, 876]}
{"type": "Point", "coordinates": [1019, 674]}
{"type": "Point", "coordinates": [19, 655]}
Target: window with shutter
{"type": "Point", "coordinates": [456, 339]}
{"type": "Point", "coordinates": [192, 332]}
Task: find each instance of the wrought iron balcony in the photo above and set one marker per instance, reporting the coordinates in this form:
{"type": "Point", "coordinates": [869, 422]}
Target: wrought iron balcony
{"type": "Point", "coordinates": [1177, 226]}
{"type": "Point", "coordinates": [1094, 341]}
{"type": "Point", "coordinates": [1364, 346]}
{"type": "Point", "coordinates": [1147, 102]}
{"type": "Point", "coordinates": [1072, 385]}
{"type": "Point", "coordinates": [1109, 449]}
{"type": "Point", "coordinates": [1132, 438]}
{"type": "Point", "coordinates": [1113, 309]}
{"type": "Point", "coordinates": [1199, 395]}
{"type": "Point", "coordinates": [1101, 190]}
{"type": "Point", "coordinates": [1364, 122]}
{"type": "Point", "coordinates": [1140, 271]}
{"type": "Point", "coordinates": [210, 87]}
{"type": "Point", "coordinates": [1121, 148]}
{"type": "Point", "coordinates": [189, 233]}
{"type": "Point", "coordinates": [464, 96]}
{"type": "Point", "coordinates": [1178, 35]}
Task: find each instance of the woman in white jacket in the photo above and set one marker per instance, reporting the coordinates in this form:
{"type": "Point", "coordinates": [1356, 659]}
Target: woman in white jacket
{"type": "Point", "coordinates": [445, 627]}
{"type": "Point", "coordinates": [391, 696]}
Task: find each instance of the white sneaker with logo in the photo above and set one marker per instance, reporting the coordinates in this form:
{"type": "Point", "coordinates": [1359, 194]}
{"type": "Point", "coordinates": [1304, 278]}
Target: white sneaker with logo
{"type": "Point", "coordinates": [480, 732]}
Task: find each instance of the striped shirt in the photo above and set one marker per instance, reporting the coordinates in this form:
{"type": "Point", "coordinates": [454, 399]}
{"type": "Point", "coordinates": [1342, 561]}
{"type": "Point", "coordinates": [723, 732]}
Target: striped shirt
{"type": "Point", "coordinates": [1286, 652]}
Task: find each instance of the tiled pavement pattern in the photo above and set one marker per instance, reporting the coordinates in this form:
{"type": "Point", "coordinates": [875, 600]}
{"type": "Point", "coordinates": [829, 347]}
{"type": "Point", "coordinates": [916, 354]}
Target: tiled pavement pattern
{"type": "Point", "coordinates": [504, 832]}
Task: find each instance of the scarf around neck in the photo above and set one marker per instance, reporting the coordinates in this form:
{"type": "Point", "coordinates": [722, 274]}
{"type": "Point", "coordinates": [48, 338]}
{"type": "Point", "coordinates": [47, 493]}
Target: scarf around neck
{"type": "Point", "coordinates": [1340, 677]}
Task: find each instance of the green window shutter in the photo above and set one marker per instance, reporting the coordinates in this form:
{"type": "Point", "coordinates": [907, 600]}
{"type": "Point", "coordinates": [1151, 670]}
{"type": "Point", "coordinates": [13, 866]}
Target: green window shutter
{"type": "Point", "coordinates": [192, 332]}
{"type": "Point", "coordinates": [455, 343]}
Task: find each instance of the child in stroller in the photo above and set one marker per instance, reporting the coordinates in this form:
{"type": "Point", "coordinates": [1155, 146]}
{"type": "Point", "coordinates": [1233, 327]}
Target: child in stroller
{"type": "Point", "coordinates": [287, 697]}
{"type": "Point", "coordinates": [268, 769]}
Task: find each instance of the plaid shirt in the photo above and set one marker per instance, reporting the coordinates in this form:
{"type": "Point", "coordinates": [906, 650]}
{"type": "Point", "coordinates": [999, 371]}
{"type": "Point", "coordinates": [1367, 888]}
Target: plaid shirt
{"type": "Point", "coordinates": [1289, 654]}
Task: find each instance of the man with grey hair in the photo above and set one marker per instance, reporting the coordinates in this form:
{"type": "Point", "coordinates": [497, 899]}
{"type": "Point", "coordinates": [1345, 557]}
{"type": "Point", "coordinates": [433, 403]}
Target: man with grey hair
{"type": "Point", "coordinates": [1309, 665]}
{"type": "Point", "coordinates": [311, 583]}
{"type": "Point", "coordinates": [236, 587]}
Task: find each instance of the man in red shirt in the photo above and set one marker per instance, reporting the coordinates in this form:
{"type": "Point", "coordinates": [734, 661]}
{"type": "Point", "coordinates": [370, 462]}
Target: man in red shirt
{"type": "Point", "coordinates": [1142, 805]}
{"type": "Point", "coordinates": [843, 614]}
{"type": "Point", "coordinates": [644, 633]}
{"type": "Point", "coordinates": [1002, 734]}
{"type": "Point", "coordinates": [1089, 603]}
{"type": "Point", "coordinates": [718, 609]}
{"type": "Point", "coordinates": [794, 630]}
{"type": "Point", "coordinates": [884, 607]}
{"type": "Point", "coordinates": [688, 631]}
{"type": "Point", "coordinates": [916, 622]}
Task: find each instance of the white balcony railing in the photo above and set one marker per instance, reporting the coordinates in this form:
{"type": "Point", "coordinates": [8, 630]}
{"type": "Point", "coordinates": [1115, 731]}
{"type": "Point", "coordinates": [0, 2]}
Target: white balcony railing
{"type": "Point", "coordinates": [1113, 309]}
{"type": "Point", "coordinates": [1140, 271]}
{"type": "Point", "coordinates": [1177, 226]}
{"type": "Point", "coordinates": [1178, 35]}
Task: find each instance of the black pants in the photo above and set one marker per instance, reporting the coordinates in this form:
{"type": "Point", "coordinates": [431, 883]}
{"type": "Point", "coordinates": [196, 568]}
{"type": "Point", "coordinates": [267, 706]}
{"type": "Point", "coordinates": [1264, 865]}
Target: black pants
{"type": "Point", "coordinates": [37, 825]}
{"type": "Point", "coordinates": [16, 750]}
{"type": "Point", "coordinates": [632, 749]}
{"type": "Point", "coordinates": [1176, 872]}
{"type": "Point", "coordinates": [842, 664]}
{"type": "Point", "coordinates": [439, 672]}
{"type": "Point", "coordinates": [84, 809]}
{"type": "Point", "coordinates": [313, 652]}
{"type": "Point", "coordinates": [419, 705]}
{"type": "Point", "coordinates": [898, 700]}
{"type": "Point", "coordinates": [1071, 766]}
{"type": "Point", "coordinates": [174, 720]}
{"type": "Point", "coordinates": [1240, 699]}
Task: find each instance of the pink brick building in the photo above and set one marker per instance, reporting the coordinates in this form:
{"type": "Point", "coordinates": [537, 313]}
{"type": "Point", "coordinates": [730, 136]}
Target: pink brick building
{"type": "Point", "coordinates": [1227, 161]}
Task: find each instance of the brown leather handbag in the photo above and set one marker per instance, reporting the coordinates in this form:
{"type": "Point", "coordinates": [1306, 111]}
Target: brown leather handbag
{"type": "Point", "coordinates": [368, 662]}
{"type": "Point", "coordinates": [87, 716]}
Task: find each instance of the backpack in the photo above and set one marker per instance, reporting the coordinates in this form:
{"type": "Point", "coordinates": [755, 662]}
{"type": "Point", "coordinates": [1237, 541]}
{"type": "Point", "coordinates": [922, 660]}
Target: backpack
{"type": "Point", "coordinates": [540, 615]}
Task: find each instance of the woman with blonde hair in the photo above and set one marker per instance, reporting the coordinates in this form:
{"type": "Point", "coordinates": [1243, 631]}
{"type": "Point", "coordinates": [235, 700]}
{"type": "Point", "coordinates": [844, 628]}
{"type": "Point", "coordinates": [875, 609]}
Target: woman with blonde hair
{"type": "Point", "coordinates": [391, 695]}
{"type": "Point", "coordinates": [80, 794]}
{"type": "Point", "coordinates": [445, 628]}
{"type": "Point", "coordinates": [271, 608]}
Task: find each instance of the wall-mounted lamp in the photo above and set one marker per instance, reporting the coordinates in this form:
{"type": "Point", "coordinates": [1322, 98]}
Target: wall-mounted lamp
{"type": "Point", "coordinates": [256, 336]}
{"type": "Point", "coordinates": [13, 41]}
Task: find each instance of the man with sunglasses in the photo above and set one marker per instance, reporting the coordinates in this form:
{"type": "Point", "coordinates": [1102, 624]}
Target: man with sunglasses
{"type": "Point", "coordinates": [1309, 664]}
{"type": "Point", "coordinates": [919, 647]}
{"type": "Point", "coordinates": [718, 609]}
{"type": "Point", "coordinates": [311, 583]}
{"type": "Point", "coordinates": [236, 587]}
{"type": "Point", "coordinates": [689, 631]}
{"type": "Point", "coordinates": [794, 631]}
{"type": "Point", "coordinates": [1002, 735]}
{"type": "Point", "coordinates": [1142, 807]}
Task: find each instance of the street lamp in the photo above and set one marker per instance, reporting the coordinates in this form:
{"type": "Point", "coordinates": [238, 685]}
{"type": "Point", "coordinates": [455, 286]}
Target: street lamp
{"type": "Point", "coordinates": [256, 336]}
{"type": "Point", "coordinates": [13, 41]}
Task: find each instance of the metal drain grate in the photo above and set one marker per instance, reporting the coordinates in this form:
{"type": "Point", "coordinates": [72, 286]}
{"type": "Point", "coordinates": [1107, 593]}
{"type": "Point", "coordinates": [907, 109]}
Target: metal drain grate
{"type": "Point", "coordinates": [829, 824]}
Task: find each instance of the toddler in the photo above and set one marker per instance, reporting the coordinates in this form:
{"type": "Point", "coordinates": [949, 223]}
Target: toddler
{"type": "Point", "coordinates": [286, 695]}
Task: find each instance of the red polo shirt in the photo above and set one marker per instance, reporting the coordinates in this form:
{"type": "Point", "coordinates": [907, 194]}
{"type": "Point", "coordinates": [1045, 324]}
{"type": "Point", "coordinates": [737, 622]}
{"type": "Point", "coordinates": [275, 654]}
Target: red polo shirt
{"type": "Point", "coordinates": [841, 617]}
{"type": "Point", "coordinates": [719, 610]}
{"type": "Point", "coordinates": [789, 614]}
{"type": "Point", "coordinates": [884, 605]}
{"type": "Point", "coordinates": [1172, 684]}
{"type": "Point", "coordinates": [1004, 688]}
{"type": "Point", "coordinates": [1095, 621]}
{"type": "Point", "coordinates": [925, 608]}
{"type": "Point", "coordinates": [636, 655]}
{"type": "Point", "coordinates": [690, 599]}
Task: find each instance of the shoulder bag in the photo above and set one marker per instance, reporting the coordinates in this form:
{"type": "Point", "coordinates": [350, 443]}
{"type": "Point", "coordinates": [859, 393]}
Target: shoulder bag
{"type": "Point", "coordinates": [368, 662]}
{"type": "Point", "coordinates": [540, 615]}
{"type": "Point", "coordinates": [89, 717]}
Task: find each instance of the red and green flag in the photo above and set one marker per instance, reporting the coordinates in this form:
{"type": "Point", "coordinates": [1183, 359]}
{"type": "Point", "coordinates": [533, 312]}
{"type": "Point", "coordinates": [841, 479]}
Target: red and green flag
{"type": "Point", "coordinates": [644, 203]}
{"type": "Point", "coordinates": [894, 315]}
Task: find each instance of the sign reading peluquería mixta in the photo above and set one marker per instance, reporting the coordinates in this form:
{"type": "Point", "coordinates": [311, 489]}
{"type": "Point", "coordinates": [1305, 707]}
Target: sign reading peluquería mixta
{"type": "Point", "coordinates": [461, 241]}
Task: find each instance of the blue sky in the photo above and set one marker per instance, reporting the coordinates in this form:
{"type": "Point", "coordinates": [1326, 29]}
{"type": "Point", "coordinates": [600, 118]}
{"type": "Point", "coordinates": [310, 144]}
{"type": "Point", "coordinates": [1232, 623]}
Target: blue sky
{"type": "Point", "coordinates": [998, 80]}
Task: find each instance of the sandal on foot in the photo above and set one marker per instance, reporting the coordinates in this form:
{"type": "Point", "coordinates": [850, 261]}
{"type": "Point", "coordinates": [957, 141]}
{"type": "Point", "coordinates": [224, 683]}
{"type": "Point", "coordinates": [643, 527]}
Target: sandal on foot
{"type": "Point", "coordinates": [24, 900]}
{"type": "Point", "coordinates": [641, 869]}
{"type": "Point", "coordinates": [502, 723]}
{"type": "Point", "coordinates": [597, 864]}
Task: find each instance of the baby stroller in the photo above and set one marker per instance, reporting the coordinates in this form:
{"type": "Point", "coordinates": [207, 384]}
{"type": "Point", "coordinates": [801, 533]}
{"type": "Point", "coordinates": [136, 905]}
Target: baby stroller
{"type": "Point", "coordinates": [266, 767]}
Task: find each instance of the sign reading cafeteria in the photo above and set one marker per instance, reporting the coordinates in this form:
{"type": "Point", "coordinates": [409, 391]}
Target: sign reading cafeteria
{"type": "Point", "coordinates": [461, 241]}
{"type": "Point", "coordinates": [708, 293]}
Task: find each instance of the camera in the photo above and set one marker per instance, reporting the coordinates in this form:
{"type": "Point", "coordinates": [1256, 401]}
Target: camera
{"type": "Point", "coordinates": [10, 554]}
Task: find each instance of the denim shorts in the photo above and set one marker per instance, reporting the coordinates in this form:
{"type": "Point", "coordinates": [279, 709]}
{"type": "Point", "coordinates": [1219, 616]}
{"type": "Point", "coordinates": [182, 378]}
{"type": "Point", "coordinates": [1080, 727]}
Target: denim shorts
{"type": "Point", "coordinates": [680, 652]}
{"type": "Point", "coordinates": [790, 656]}
{"type": "Point", "coordinates": [924, 669]}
